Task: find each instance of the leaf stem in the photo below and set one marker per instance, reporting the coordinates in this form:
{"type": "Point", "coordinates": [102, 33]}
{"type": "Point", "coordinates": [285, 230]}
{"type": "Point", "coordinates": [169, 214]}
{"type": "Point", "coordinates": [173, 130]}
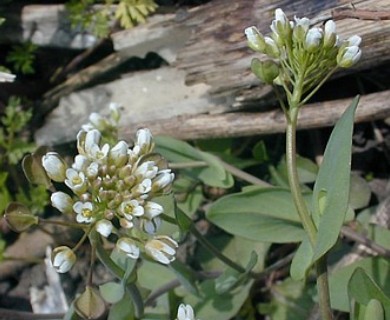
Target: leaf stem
{"type": "Point", "coordinates": [217, 253]}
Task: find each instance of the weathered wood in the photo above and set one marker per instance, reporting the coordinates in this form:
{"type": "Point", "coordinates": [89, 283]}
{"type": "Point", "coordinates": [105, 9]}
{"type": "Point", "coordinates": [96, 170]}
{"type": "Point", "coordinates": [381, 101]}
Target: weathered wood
{"type": "Point", "coordinates": [371, 107]}
{"type": "Point", "coordinates": [44, 25]}
{"type": "Point", "coordinates": [211, 49]}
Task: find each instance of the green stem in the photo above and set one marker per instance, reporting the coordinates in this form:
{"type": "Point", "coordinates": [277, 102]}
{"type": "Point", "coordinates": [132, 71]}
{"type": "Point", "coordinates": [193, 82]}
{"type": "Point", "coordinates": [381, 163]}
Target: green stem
{"type": "Point", "coordinates": [216, 252]}
{"type": "Point", "coordinates": [323, 288]}
{"type": "Point", "coordinates": [300, 204]}
{"type": "Point", "coordinates": [62, 223]}
{"type": "Point", "coordinates": [293, 178]}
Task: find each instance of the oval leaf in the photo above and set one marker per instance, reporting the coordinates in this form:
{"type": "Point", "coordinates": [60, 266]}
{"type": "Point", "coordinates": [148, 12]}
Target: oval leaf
{"type": "Point", "coordinates": [260, 214]}
{"type": "Point", "coordinates": [112, 292]}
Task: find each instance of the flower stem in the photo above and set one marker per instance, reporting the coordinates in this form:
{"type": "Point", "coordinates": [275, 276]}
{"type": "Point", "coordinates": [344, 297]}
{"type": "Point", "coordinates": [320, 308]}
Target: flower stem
{"type": "Point", "coordinates": [304, 214]}
{"type": "Point", "coordinates": [293, 178]}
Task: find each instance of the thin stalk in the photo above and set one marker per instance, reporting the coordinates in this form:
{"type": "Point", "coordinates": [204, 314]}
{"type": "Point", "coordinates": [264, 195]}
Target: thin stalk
{"type": "Point", "coordinates": [300, 204]}
{"type": "Point", "coordinates": [293, 179]}
{"type": "Point", "coordinates": [217, 253]}
{"type": "Point", "coordinates": [62, 223]}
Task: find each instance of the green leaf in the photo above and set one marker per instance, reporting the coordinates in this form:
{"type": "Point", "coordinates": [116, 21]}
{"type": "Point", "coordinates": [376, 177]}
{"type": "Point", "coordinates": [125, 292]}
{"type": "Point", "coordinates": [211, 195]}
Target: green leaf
{"type": "Point", "coordinates": [112, 292]}
{"type": "Point", "coordinates": [376, 268]}
{"type": "Point", "coordinates": [231, 278]}
{"type": "Point", "coordinates": [260, 214]}
{"type": "Point", "coordinates": [360, 192]}
{"type": "Point", "coordinates": [291, 300]}
{"type": "Point", "coordinates": [374, 311]}
{"type": "Point", "coordinates": [302, 260]}
{"type": "Point", "coordinates": [212, 174]}
{"type": "Point", "coordinates": [211, 305]}
{"type": "Point", "coordinates": [333, 181]}
{"type": "Point", "coordinates": [185, 275]}
{"type": "Point", "coordinates": [122, 310]}
{"type": "Point", "coordinates": [363, 289]}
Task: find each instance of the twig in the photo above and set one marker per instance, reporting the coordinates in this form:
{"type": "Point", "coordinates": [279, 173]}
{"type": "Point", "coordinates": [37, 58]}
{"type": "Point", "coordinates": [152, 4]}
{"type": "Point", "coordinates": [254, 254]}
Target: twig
{"type": "Point", "coordinates": [361, 14]}
{"type": "Point", "coordinates": [7, 314]}
{"type": "Point", "coordinates": [359, 238]}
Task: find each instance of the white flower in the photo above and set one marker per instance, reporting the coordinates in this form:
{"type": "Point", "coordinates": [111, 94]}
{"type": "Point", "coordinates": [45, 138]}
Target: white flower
{"type": "Point", "coordinates": [330, 36]}
{"type": "Point", "coordinates": [161, 249]}
{"type": "Point", "coordinates": [152, 210]}
{"type": "Point", "coordinates": [150, 226]}
{"type": "Point", "coordinates": [144, 143]}
{"type": "Point", "coordinates": [92, 170]}
{"type": "Point", "coordinates": [348, 56]}
{"type": "Point", "coordinates": [281, 25]}
{"type": "Point", "coordinates": [98, 121]}
{"type": "Point", "coordinates": [118, 154]}
{"type": "Point", "coordinates": [147, 170]}
{"type": "Point", "coordinates": [128, 246]}
{"type": "Point", "coordinates": [313, 39]}
{"type": "Point", "coordinates": [126, 223]}
{"type": "Point", "coordinates": [62, 259]}
{"type": "Point", "coordinates": [255, 39]}
{"type": "Point", "coordinates": [7, 77]}
{"type": "Point", "coordinates": [104, 227]}
{"type": "Point", "coordinates": [54, 166]}
{"type": "Point", "coordinates": [130, 208]}
{"type": "Point", "coordinates": [84, 212]}
{"type": "Point", "coordinates": [163, 180]}
{"type": "Point", "coordinates": [144, 187]}
{"type": "Point", "coordinates": [115, 111]}
{"type": "Point", "coordinates": [80, 163]}
{"type": "Point", "coordinates": [92, 138]}
{"type": "Point", "coordinates": [354, 41]}
{"type": "Point", "coordinates": [61, 201]}
{"type": "Point", "coordinates": [271, 47]}
{"type": "Point", "coordinates": [76, 181]}
{"type": "Point", "coordinates": [300, 29]}
{"type": "Point", "coordinates": [185, 312]}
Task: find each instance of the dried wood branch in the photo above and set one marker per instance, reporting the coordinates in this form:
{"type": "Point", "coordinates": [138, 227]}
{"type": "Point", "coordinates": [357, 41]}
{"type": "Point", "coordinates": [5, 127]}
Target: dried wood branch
{"type": "Point", "coordinates": [371, 107]}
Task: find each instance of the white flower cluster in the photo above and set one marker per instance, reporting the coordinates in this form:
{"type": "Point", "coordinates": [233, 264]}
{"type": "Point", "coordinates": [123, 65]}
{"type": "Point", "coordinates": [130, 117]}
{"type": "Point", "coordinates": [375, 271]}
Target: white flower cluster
{"type": "Point", "coordinates": [114, 186]}
{"type": "Point", "coordinates": [296, 47]}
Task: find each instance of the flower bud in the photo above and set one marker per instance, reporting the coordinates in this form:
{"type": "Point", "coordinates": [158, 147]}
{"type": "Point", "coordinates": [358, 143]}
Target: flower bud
{"type": "Point", "coordinates": [330, 36]}
{"type": "Point", "coordinates": [118, 154]}
{"type": "Point", "coordinates": [300, 29]}
{"type": "Point", "coordinates": [104, 227]}
{"type": "Point", "coordinates": [348, 56]}
{"type": "Point", "coordinates": [98, 121]}
{"type": "Point", "coordinates": [152, 210]}
{"type": "Point", "coordinates": [266, 70]}
{"type": "Point", "coordinates": [62, 201]}
{"type": "Point", "coordinates": [281, 27]}
{"type": "Point", "coordinates": [255, 39]}
{"type": "Point", "coordinates": [55, 166]}
{"type": "Point", "coordinates": [271, 48]}
{"type": "Point", "coordinates": [115, 112]}
{"type": "Point", "coordinates": [80, 163]}
{"type": "Point", "coordinates": [144, 143]}
{"type": "Point", "coordinates": [162, 249]}
{"type": "Point", "coordinates": [63, 259]}
{"type": "Point", "coordinates": [313, 39]}
{"type": "Point", "coordinates": [163, 181]}
{"type": "Point", "coordinates": [19, 218]}
{"type": "Point", "coordinates": [127, 246]}
{"type": "Point", "coordinates": [354, 41]}
{"type": "Point", "coordinates": [185, 312]}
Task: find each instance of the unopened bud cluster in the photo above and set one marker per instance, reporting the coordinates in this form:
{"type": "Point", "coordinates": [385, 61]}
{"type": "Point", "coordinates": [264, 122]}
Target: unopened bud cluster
{"type": "Point", "coordinates": [113, 188]}
{"type": "Point", "coordinates": [294, 49]}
